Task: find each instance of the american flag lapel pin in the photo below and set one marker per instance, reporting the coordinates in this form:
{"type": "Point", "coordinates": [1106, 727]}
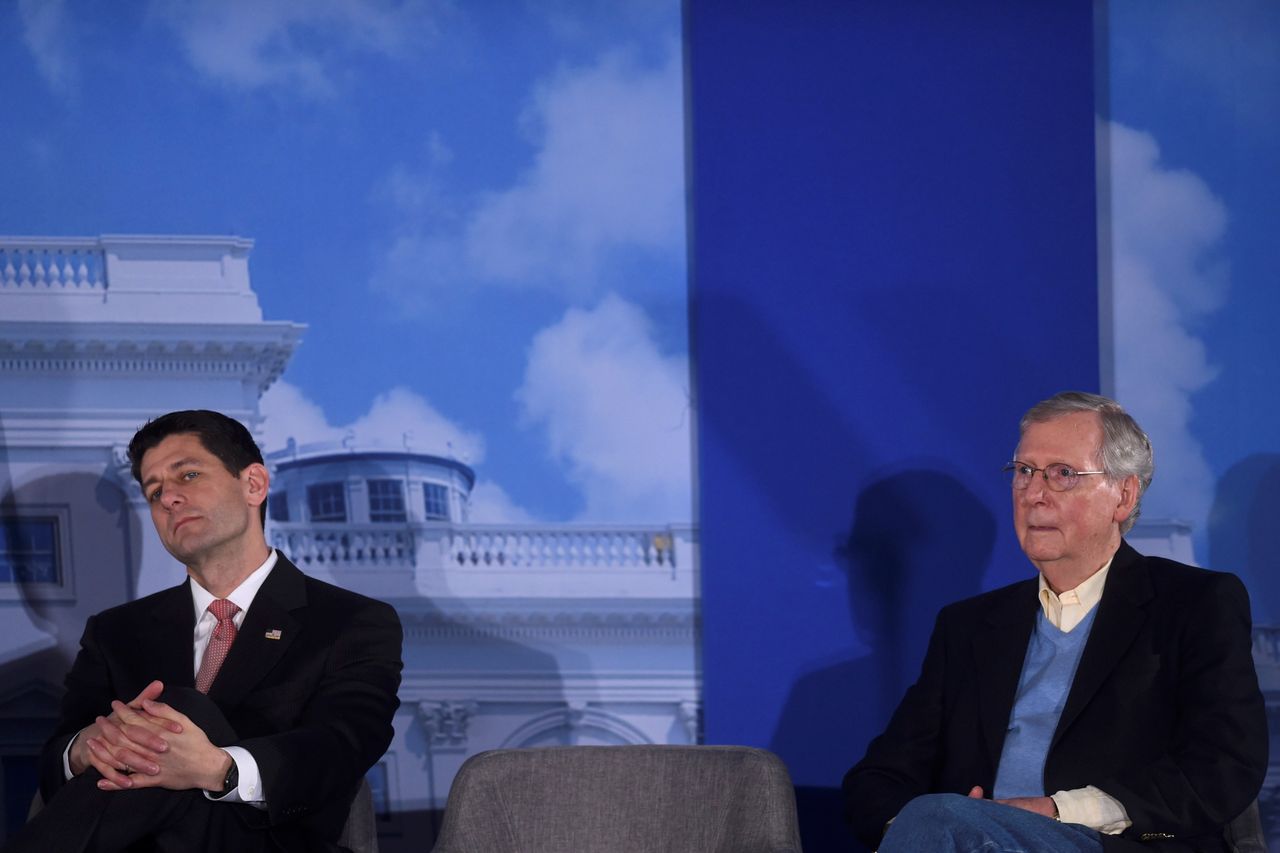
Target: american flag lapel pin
{"type": "Point", "coordinates": [273, 634]}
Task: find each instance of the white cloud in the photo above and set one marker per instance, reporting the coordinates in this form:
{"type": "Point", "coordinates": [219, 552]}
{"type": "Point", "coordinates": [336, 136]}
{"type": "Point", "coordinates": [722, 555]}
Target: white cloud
{"type": "Point", "coordinates": [490, 504]}
{"type": "Point", "coordinates": [48, 35]}
{"type": "Point", "coordinates": [1166, 229]}
{"type": "Point", "coordinates": [606, 179]}
{"type": "Point", "coordinates": [250, 44]}
{"type": "Point", "coordinates": [395, 417]}
{"type": "Point", "coordinates": [608, 174]}
{"type": "Point", "coordinates": [616, 412]}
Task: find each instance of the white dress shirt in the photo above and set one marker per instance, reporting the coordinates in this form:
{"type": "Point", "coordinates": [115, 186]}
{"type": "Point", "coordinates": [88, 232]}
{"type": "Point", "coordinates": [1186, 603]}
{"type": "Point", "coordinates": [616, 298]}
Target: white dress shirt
{"type": "Point", "coordinates": [249, 789]}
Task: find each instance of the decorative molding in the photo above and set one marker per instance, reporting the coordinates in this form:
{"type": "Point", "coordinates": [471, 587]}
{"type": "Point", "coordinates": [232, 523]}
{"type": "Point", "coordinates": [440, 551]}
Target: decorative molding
{"type": "Point", "coordinates": [90, 349]}
{"type": "Point", "coordinates": [664, 689]}
{"type": "Point", "coordinates": [575, 720]}
{"type": "Point", "coordinates": [566, 623]}
{"type": "Point", "coordinates": [264, 363]}
{"type": "Point", "coordinates": [445, 721]}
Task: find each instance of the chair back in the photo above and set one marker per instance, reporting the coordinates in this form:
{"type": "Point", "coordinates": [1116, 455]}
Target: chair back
{"type": "Point", "coordinates": [673, 799]}
{"type": "Point", "coordinates": [360, 832]}
{"type": "Point", "coordinates": [1244, 834]}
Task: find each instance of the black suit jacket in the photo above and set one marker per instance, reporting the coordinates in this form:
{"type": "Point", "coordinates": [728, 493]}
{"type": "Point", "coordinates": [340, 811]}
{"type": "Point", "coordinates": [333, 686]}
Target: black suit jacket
{"type": "Point", "coordinates": [1164, 714]}
{"type": "Point", "coordinates": [314, 707]}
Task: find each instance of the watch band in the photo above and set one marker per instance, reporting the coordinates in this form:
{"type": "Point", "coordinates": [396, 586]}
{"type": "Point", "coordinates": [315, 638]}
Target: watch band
{"type": "Point", "coordinates": [231, 780]}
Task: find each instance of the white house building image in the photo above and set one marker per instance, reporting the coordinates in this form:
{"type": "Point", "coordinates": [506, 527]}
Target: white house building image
{"type": "Point", "coordinates": [515, 635]}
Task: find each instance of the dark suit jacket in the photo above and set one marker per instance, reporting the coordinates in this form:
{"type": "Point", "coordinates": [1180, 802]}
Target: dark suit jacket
{"type": "Point", "coordinates": [1164, 714]}
{"type": "Point", "coordinates": [313, 707]}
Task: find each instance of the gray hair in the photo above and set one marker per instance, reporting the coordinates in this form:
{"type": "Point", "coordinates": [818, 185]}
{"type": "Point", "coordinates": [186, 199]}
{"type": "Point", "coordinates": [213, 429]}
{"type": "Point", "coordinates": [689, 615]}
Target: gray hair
{"type": "Point", "coordinates": [1125, 451]}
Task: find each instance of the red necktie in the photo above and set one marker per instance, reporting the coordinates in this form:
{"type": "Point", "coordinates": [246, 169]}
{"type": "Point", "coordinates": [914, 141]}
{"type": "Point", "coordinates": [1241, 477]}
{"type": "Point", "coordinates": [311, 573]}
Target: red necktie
{"type": "Point", "coordinates": [224, 634]}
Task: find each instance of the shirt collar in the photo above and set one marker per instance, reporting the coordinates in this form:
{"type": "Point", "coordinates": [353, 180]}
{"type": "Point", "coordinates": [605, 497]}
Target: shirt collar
{"type": "Point", "coordinates": [1087, 595]}
{"type": "Point", "coordinates": [242, 596]}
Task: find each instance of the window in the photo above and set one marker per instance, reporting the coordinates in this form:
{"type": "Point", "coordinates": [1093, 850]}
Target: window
{"type": "Point", "coordinates": [386, 500]}
{"type": "Point", "coordinates": [29, 550]}
{"type": "Point", "coordinates": [327, 502]}
{"type": "Point", "coordinates": [278, 506]}
{"type": "Point", "coordinates": [435, 498]}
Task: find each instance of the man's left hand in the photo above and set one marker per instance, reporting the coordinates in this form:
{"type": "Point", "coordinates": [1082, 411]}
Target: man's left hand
{"type": "Point", "coordinates": [191, 761]}
{"type": "Point", "coordinates": [1040, 805]}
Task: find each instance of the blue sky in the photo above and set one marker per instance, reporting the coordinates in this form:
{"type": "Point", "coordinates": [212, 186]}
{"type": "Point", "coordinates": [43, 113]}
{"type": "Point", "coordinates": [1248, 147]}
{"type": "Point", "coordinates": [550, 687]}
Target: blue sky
{"type": "Point", "coordinates": [477, 209]}
{"type": "Point", "coordinates": [1194, 94]}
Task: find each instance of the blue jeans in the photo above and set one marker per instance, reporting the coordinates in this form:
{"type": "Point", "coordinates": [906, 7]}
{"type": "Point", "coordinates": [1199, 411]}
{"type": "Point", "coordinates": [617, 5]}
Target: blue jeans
{"type": "Point", "coordinates": [951, 823]}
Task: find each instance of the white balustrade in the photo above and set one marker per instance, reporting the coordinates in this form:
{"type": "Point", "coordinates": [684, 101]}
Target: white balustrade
{"type": "Point", "coordinates": [478, 546]}
{"type": "Point", "coordinates": [345, 545]}
{"type": "Point", "coordinates": [51, 264]}
{"type": "Point", "coordinates": [551, 547]}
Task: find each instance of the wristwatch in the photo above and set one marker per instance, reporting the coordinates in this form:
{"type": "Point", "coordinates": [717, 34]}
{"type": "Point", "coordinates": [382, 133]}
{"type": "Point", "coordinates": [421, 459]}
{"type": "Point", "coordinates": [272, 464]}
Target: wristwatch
{"type": "Point", "coordinates": [231, 780]}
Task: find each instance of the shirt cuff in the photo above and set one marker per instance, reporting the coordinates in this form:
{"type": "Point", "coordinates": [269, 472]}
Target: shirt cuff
{"type": "Point", "coordinates": [66, 758]}
{"type": "Point", "coordinates": [249, 789]}
{"type": "Point", "coordinates": [1092, 807]}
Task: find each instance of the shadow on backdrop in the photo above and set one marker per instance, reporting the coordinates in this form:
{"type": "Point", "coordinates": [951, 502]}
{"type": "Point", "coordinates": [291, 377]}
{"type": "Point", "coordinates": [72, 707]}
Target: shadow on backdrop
{"type": "Point", "coordinates": [95, 546]}
{"type": "Point", "coordinates": [1244, 538]}
{"type": "Point", "coordinates": [1243, 534]}
{"type": "Point", "coordinates": [919, 539]}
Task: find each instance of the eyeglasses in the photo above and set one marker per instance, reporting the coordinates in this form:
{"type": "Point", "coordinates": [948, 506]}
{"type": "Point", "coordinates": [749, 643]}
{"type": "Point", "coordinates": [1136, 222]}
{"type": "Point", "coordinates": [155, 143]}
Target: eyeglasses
{"type": "Point", "coordinates": [1060, 476]}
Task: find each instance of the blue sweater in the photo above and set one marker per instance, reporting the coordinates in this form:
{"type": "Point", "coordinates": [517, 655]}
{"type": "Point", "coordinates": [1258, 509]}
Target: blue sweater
{"type": "Point", "coordinates": [1047, 673]}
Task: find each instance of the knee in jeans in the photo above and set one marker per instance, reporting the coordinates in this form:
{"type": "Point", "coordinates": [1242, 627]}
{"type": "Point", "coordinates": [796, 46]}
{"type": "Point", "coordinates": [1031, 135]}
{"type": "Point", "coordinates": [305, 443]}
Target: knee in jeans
{"type": "Point", "coordinates": [927, 807]}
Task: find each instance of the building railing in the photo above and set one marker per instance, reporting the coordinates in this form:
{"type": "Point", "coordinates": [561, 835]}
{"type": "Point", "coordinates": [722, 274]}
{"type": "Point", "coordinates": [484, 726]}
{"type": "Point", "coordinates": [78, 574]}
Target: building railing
{"type": "Point", "coordinates": [346, 544]}
{"type": "Point", "coordinates": [50, 263]}
{"type": "Point", "coordinates": [555, 547]}
{"type": "Point", "coordinates": [462, 547]}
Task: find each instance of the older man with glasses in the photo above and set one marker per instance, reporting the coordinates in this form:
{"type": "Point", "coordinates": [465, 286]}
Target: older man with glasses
{"type": "Point", "coordinates": [1109, 704]}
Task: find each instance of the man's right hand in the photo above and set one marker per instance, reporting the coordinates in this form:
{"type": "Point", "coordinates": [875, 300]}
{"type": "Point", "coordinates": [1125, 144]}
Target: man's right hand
{"type": "Point", "coordinates": [115, 748]}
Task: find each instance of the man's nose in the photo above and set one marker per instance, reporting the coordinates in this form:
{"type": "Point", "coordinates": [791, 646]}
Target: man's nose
{"type": "Point", "coordinates": [1037, 489]}
{"type": "Point", "coordinates": [170, 497]}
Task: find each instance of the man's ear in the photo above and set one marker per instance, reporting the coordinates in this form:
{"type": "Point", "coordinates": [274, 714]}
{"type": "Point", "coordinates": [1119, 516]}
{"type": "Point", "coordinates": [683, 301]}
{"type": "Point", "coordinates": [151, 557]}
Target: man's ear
{"type": "Point", "coordinates": [1129, 492]}
{"type": "Point", "coordinates": [257, 482]}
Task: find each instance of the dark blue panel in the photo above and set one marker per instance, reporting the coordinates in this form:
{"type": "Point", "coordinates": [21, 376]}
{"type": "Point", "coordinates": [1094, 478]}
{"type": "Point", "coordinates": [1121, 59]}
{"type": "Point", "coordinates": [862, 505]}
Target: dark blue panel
{"type": "Point", "coordinates": [893, 255]}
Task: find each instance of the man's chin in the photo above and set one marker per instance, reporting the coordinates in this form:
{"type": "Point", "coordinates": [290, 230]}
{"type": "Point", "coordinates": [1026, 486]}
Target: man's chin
{"type": "Point", "coordinates": [1040, 551]}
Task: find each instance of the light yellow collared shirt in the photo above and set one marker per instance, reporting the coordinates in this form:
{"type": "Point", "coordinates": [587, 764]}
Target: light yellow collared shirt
{"type": "Point", "coordinates": [1088, 806]}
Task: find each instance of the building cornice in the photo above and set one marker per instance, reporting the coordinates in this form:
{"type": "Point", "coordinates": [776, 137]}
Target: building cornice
{"type": "Point", "coordinates": [50, 349]}
{"type": "Point", "coordinates": [621, 620]}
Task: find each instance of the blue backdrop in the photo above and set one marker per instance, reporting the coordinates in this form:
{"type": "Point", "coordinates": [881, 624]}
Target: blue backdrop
{"type": "Point", "coordinates": [893, 256]}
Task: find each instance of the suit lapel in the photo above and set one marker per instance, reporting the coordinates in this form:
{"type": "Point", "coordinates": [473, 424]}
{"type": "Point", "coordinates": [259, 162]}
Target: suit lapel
{"type": "Point", "coordinates": [1121, 614]}
{"type": "Point", "coordinates": [170, 635]}
{"type": "Point", "coordinates": [270, 627]}
{"type": "Point", "coordinates": [999, 648]}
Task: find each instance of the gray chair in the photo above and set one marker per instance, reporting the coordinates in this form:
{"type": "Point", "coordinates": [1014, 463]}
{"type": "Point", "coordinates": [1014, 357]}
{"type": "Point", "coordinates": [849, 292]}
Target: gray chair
{"type": "Point", "coordinates": [360, 833]}
{"type": "Point", "coordinates": [1244, 834]}
{"type": "Point", "coordinates": [610, 799]}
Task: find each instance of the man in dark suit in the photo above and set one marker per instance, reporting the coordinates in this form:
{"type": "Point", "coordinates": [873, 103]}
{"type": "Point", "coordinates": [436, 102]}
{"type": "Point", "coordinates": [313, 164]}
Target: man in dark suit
{"type": "Point", "coordinates": [237, 711]}
{"type": "Point", "coordinates": [1109, 704]}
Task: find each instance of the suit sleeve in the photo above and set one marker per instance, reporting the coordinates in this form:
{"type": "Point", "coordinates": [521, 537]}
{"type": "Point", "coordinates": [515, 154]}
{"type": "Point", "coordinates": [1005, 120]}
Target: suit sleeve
{"type": "Point", "coordinates": [88, 695]}
{"type": "Point", "coordinates": [901, 763]}
{"type": "Point", "coordinates": [1217, 755]}
{"type": "Point", "coordinates": [345, 724]}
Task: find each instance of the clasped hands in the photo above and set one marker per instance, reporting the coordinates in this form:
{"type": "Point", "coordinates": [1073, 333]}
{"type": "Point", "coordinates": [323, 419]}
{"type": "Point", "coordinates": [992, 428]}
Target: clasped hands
{"type": "Point", "coordinates": [1040, 805]}
{"type": "Point", "coordinates": [147, 744]}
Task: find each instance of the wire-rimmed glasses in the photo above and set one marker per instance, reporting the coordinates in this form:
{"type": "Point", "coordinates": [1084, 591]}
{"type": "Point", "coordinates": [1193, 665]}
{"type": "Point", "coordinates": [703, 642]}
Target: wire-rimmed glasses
{"type": "Point", "coordinates": [1060, 476]}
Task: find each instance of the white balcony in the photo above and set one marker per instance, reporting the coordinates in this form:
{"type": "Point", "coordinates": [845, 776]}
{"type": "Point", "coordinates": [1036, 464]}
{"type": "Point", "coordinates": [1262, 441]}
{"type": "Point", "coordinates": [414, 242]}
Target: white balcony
{"type": "Point", "coordinates": [496, 561]}
{"type": "Point", "coordinates": [128, 278]}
